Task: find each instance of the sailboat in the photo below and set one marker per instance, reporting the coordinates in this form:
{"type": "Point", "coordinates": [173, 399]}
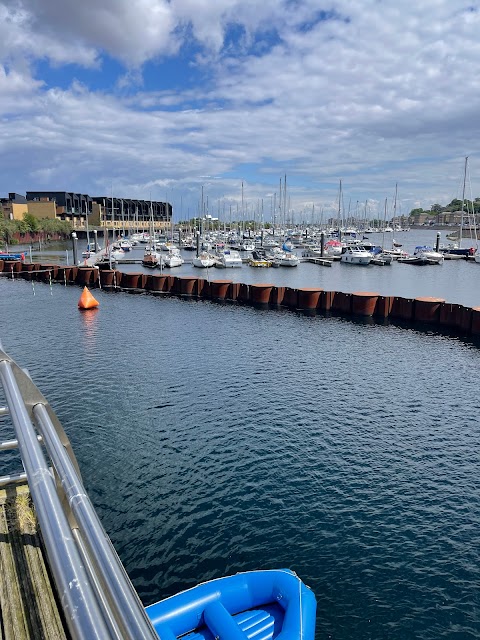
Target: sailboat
{"type": "Point", "coordinates": [151, 257]}
{"type": "Point", "coordinates": [454, 250]}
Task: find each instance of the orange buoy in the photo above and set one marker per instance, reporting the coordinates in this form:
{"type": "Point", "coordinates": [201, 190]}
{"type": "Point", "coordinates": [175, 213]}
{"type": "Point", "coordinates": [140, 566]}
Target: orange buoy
{"type": "Point", "coordinates": [87, 301]}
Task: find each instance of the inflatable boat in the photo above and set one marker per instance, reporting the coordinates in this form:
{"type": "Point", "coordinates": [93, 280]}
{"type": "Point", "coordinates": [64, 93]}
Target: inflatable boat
{"type": "Point", "coordinates": [265, 605]}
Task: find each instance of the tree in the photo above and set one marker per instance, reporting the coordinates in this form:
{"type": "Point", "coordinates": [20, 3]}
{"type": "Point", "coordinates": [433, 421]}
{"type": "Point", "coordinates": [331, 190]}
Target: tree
{"type": "Point", "coordinates": [455, 205]}
{"type": "Point", "coordinates": [31, 222]}
{"type": "Point", "coordinates": [436, 208]}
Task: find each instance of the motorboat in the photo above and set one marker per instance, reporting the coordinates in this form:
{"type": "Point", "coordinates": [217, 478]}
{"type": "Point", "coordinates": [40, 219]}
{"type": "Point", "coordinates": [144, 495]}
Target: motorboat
{"type": "Point", "coordinates": [356, 255]}
{"type": "Point", "coordinates": [151, 258]}
{"type": "Point", "coordinates": [204, 260]}
{"type": "Point", "coordinates": [286, 259]}
{"type": "Point", "coordinates": [451, 251]}
{"type": "Point", "coordinates": [125, 244]}
{"type": "Point", "coordinates": [395, 253]}
{"type": "Point", "coordinates": [434, 257]}
{"type": "Point", "coordinates": [417, 260]}
{"type": "Point", "coordinates": [247, 245]}
{"type": "Point", "coordinates": [256, 604]}
{"type": "Point", "coordinates": [228, 258]}
{"type": "Point", "coordinates": [173, 258]}
{"type": "Point", "coordinates": [333, 248]}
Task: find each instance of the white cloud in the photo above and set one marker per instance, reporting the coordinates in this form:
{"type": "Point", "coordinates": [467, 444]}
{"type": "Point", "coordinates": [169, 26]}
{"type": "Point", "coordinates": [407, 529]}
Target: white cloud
{"type": "Point", "coordinates": [381, 93]}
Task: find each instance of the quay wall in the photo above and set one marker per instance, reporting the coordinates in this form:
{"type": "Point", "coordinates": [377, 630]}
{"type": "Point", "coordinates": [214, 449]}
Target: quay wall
{"type": "Point", "coordinates": [421, 312]}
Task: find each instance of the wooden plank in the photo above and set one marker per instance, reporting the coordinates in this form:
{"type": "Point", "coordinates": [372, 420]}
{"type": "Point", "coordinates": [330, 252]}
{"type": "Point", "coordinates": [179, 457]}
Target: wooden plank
{"type": "Point", "coordinates": [28, 606]}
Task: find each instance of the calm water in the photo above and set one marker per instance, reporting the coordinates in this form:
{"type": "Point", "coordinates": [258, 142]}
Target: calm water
{"type": "Point", "coordinates": [455, 281]}
{"type": "Point", "coordinates": [214, 439]}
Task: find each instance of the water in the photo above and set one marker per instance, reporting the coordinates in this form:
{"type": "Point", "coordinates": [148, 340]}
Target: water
{"type": "Point", "coordinates": [455, 280]}
{"type": "Point", "coordinates": [217, 438]}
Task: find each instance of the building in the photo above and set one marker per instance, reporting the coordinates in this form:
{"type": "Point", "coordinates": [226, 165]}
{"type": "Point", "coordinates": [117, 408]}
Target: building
{"type": "Point", "coordinates": [80, 209]}
{"type": "Point", "coordinates": [70, 207]}
{"type": "Point", "coordinates": [126, 214]}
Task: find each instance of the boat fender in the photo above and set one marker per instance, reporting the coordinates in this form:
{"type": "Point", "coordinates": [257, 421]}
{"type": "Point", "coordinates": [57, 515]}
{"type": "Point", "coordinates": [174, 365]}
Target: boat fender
{"type": "Point", "coordinates": [471, 251]}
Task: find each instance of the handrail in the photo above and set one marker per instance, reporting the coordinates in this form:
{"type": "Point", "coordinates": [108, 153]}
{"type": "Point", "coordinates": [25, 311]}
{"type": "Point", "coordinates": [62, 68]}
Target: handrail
{"type": "Point", "coordinates": [103, 605]}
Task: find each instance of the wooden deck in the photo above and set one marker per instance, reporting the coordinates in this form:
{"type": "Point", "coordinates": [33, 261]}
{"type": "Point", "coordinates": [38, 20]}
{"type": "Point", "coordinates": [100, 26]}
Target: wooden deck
{"type": "Point", "coordinates": [28, 606]}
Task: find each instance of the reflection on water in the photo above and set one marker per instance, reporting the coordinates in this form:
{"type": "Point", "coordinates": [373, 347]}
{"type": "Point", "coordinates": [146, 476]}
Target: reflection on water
{"type": "Point", "coordinates": [89, 319]}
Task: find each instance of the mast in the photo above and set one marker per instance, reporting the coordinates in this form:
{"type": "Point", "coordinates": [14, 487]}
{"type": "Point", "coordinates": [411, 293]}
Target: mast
{"type": "Point", "coordinates": [339, 223]}
{"type": "Point", "coordinates": [384, 224]}
{"type": "Point", "coordinates": [86, 224]}
{"type": "Point", "coordinates": [463, 203]}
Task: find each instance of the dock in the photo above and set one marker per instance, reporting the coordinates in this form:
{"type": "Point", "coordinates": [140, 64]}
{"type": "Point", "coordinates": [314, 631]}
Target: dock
{"type": "Point", "coordinates": [28, 601]}
{"type": "Point", "coordinates": [323, 262]}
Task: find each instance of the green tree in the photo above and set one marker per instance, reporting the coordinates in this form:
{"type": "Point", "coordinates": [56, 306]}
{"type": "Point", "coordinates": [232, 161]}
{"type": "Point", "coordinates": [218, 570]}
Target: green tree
{"type": "Point", "coordinates": [455, 205]}
{"type": "Point", "coordinates": [31, 222]}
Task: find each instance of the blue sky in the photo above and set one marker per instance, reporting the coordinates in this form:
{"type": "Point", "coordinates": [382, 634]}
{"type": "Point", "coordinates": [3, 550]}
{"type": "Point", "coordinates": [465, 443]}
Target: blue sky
{"type": "Point", "coordinates": [160, 98]}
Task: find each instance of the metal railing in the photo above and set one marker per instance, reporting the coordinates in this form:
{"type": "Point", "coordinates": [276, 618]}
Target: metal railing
{"type": "Point", "coordinates": [95, 592]}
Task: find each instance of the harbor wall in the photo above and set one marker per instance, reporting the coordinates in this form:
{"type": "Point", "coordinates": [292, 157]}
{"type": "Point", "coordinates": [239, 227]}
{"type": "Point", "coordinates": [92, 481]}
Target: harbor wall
{"type": "Point", "coordinates": [421, 312]}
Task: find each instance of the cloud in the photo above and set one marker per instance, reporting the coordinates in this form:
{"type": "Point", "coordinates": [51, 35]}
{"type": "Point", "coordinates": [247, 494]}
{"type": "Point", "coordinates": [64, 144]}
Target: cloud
{"type": "Point", "coordinates": [374, 93]}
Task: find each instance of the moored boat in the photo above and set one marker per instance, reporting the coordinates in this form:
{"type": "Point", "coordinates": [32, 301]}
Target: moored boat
{"type": "Point", "coordinates": [228, 258]}
{"type": "Point", "coordinates": [428, 253]}
{"type": "Point", "coordinates": [254, 605]}
{"type": "Point", "coordinates": [356, 255]}
{"type": "Point", "coordinates": [204, 260]}
{"type": "Point", "coordinates": [173, 259]}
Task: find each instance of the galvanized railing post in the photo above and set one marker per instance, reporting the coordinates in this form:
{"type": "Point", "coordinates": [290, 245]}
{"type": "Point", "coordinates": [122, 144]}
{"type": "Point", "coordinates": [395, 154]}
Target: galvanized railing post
{"type": "Point", "coordinates": [129, 612]}
{"type": "Point", "coordinates": [78, 599]}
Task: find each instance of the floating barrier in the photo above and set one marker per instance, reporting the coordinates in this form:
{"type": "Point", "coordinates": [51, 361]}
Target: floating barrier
{"type": "Point", "coordinates": [418, 311]}
{"type": "Point", "coordinates": [309, 298]}
{"type": "Point", "coordinates": [219, 289]}
{"type": "Point", "coordinates": [428, 309]}
{"type": "Point", "coordinates": [364, 303]}
{"type": "Point", "coordinates": [260, 294]}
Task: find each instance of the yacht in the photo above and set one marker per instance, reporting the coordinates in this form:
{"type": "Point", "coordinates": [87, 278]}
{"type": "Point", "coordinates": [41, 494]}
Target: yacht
{"type": "Point", "coordinates": [228, 258]}
{"type": "Point", "coordinates": [429, 254]}
{"type": "Point", "coordinates": [333, 248]}
{"type": "Point", "coordinates": [285, 258]}
{"type": "Point", "coordinates": [247, 245]}
{"type": "Point", "coordinates": [125, 244]}
{"type": "Point", "coordinates": [356, 255]}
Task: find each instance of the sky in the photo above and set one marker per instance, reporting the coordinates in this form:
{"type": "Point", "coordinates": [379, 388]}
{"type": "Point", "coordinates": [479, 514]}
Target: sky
{"type": "Point", "coordinates": [172, 99]}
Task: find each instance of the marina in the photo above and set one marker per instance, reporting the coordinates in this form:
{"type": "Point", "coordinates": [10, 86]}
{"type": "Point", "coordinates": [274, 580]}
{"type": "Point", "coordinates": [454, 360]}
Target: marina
{"type": "Point", "coordinates": [349, 474]}
{"type": "Point", "coordinates": [239, 321]}
{"type": "Point", "coordinates": [451, 281]}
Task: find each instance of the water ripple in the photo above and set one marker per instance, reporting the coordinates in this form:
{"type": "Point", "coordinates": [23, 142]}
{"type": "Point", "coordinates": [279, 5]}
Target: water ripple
{"type": "Point", "coordinates": [214, 439]}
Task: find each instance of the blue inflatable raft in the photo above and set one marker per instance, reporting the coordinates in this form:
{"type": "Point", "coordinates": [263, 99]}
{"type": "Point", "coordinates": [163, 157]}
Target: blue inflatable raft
{"type": "Point", "coordinates": [264, 605]}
